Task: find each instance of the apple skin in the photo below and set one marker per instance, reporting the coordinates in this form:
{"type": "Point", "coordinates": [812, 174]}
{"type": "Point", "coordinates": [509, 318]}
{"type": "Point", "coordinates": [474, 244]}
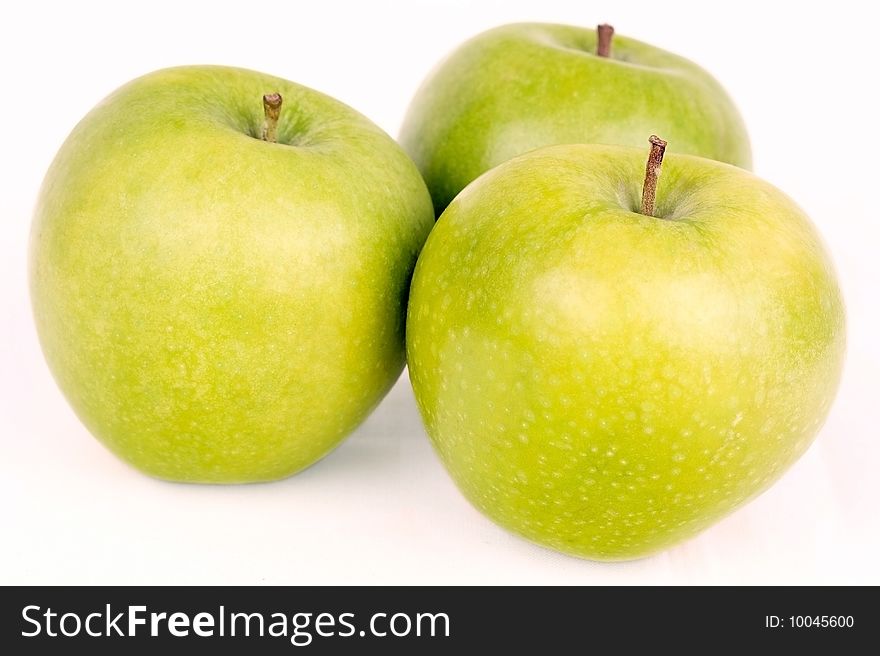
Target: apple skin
{"type": "Point", "coordinates": [217, 308]}
{"type": "Point", "coordinates": [521, 86]}
{"type": "Point", "coordinates": [606, 383]}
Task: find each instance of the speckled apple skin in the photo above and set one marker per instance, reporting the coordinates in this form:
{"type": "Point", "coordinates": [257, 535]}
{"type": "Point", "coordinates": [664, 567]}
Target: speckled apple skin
{"type": "Point", "coordinates": [217, 308]}
{"type": "Point", "coordinates": [517, 87]}
{"type": "Point", "coordinates": [606, 383]}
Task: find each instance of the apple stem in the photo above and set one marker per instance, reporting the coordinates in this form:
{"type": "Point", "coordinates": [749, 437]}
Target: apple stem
{"type": "Point", "coordinates": [272, 110]}
{"type": "Point", "coordinates": [605, 32]}
{"type": "Point", "coordinates": [652, 172]}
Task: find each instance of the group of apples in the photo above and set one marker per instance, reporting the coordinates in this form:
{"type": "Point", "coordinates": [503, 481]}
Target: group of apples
{"type": "Point", "coordinates": [229, 270]}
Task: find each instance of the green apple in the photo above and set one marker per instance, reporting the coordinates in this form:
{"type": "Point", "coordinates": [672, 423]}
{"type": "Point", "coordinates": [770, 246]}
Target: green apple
{"type": "Point", "coordinates": [521, 86]}
{"type": "Point", "coordinates": [219, 287]}
{"type": "Point", "coordinates": [608, 382]}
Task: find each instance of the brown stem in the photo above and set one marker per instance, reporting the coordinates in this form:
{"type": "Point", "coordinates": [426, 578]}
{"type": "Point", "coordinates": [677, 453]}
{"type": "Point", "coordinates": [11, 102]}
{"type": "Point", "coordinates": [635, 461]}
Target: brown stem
{"type": "Point", "coordinates": [605, 34]}
{"type": "Point", "coordinates": [652, 172]}
{"type": "Point", "coordinates": [272, 110]}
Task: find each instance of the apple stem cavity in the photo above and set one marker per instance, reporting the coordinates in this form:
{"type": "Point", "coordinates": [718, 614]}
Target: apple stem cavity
{"type": "Point", "coordinates": [652, 172]}
{"type": "Point", "coordinates": [272, 110]}
{"type": "Point", "coordinates": [603, 46]}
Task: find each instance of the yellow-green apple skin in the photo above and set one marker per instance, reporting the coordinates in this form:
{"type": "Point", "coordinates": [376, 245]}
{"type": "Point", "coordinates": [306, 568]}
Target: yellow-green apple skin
{"type": "Point", "coordinates": [215, 307]}
{"type": "Point", "coordinates": [517, 87]}
{"type": "Point", "coordinates": [607, 383]}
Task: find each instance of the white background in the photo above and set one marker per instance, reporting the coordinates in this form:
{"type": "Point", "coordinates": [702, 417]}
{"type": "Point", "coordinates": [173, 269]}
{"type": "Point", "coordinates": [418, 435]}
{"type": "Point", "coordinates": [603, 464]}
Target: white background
{"type": "Point", "coordinates": [381, 509]}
